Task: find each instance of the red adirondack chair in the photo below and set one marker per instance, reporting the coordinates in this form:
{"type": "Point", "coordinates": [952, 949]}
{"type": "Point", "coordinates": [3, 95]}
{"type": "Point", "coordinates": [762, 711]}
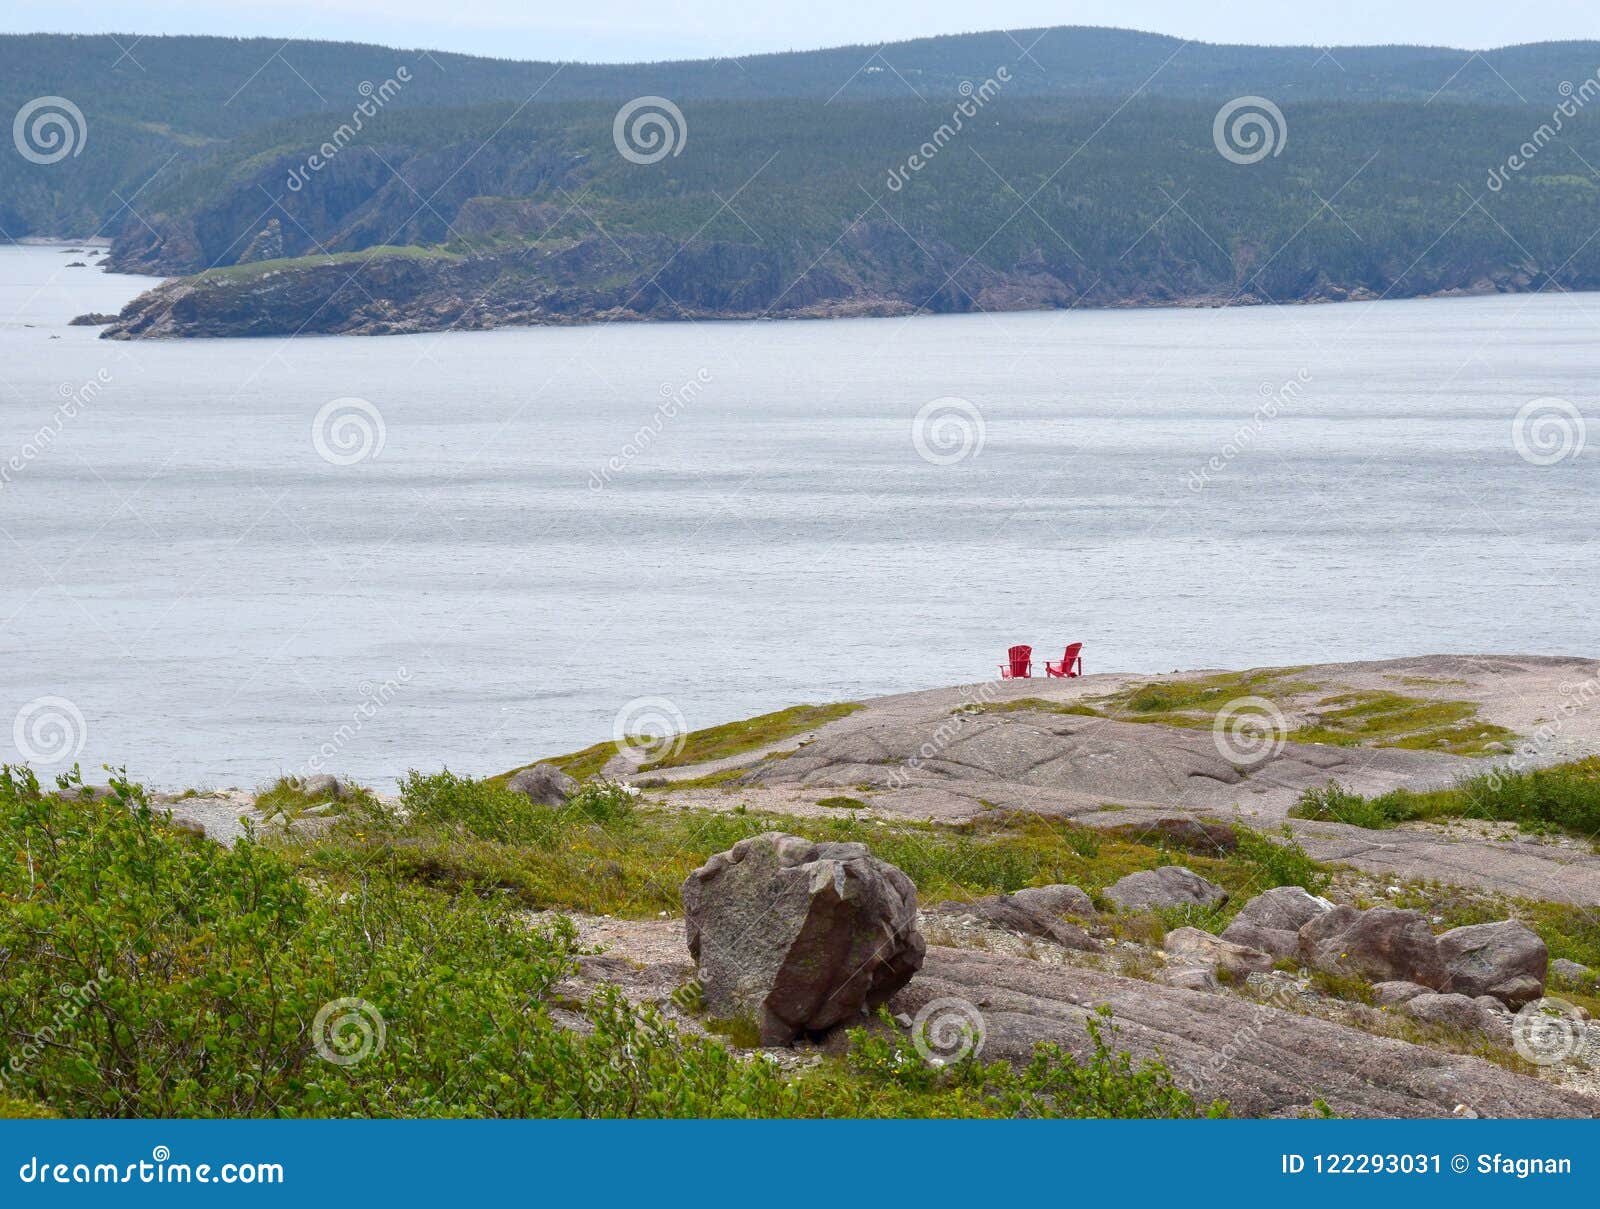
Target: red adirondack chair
{"type": "Point", "coordinates": [1018, 665]}
{"type": "Point", "coordinates": [1071, 664]}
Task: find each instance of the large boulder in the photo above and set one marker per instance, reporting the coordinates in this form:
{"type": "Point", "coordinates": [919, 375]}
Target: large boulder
{"type": "Point", "coordinates": [799, 936]}
{"type": "Point", "coordinates": [1171, 886]}
{"type": "Point", "coordinates": [1393, 994]}
{"type": "Point", "coordinates": [1505, 959]}
{"type": "Point", "coordinates": [1570, 973]}
{"type": "Point", "coordinates": [1384, 944]}
{"type": "Point", "coordinates": [1204, 836]}
{"type": "Point", "coordinates": [1055, 900]}
{"type": "Point", "coordinates": [1460, 1012]}
{"type": "Point", "coordinates": [1271, 921]}
{"type": "Point", "coordinates": [543, 783]}
{"type": "Point", "coordinates": [323, 785]}
{"type": "Point", "coordinates": [1034, 912]}
{"type": "Point", "coordinates": [1232, 962]}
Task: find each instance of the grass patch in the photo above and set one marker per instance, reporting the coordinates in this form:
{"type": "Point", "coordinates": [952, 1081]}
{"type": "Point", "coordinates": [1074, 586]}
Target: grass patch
{"type": "Point", "coordinates": [1375, 719]}
{"type": "Point", "coordinates": [1031, 705]}
{"type": "Point", "coordinates": [736, 738]}
{"type": "Point", "coordinates": [1200, 695]}
{"type": "Point", "coordinates": [236, 273]}
{"type": "Point", "coordinates": [842, 803]}
{"type": "Point", "coordinates": [698, 746]}
{"type": "Point", "coordinates": [1565, 797]}
{"type": "Point", "coordinates": [287, 796]}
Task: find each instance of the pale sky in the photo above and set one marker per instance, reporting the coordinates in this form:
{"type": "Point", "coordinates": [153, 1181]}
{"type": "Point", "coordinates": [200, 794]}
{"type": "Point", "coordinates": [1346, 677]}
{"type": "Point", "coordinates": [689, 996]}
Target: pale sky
{"type": "Point", "coordinates": [628, 30]}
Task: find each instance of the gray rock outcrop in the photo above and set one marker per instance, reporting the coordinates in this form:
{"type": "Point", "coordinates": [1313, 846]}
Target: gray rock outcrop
{"type": "Point", "coordinates": [1271, 921]}
{"type": "Point", "coordinates": [1169, 887]}
{"type": "Point", "coordinates": [1384, 944]}
{"type": "Point", "coordinates": [1505, 959]}
{"type": "Point", "coordinates": [543, 783]}
{"type": "Point", "coordinates": [799, 936]}
{"type": "Point", "coordinates": [1230, 961]}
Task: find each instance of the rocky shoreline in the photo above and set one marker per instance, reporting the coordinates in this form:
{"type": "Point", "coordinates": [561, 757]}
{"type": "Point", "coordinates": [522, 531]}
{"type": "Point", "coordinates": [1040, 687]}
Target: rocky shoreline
{"type": "Point", "coordinates": [648, 278]}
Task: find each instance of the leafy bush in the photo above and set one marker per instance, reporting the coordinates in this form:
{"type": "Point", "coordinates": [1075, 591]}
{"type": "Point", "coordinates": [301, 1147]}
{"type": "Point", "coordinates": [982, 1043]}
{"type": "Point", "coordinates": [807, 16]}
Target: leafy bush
{"type": "Point", "coordinates": [479, 808]}
{"type": "Point", "coordinates": [602, 801]}
{"type": "Point", "coordinates": [1336, 804]}
{"type": "Point", "coordinates": [1281, 861]}
{"type": "Point", "coordinates": [196, 974]}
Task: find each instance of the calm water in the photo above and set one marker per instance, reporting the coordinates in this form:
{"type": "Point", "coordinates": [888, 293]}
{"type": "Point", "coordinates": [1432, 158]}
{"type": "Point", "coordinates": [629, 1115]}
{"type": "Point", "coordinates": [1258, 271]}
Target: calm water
{"type": "Point", "coordinates": [218, 601]}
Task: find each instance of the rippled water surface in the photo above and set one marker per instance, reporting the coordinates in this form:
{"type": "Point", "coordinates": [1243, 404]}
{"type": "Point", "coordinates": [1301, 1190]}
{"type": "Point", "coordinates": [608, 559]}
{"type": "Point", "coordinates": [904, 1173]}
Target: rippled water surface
{"type": "Point", "coordinates": [219, 601]}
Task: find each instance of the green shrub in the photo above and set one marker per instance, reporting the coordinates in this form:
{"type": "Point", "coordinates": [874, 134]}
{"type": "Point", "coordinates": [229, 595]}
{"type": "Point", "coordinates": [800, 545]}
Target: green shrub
{"type": "Point", "coordinates": [602, 801]}
{"type": "Point", "coordinates": [1565, 797]}
{"type": "Point", "coordinates": [842, 803]}
{"type": "Point", "coordinates": [1336, 804]}
{"type": "Point", "coordinates": [473, 807]}
{"type": "Point", "coordinates": [1281, 861]}
{"type": "Point", "coordinates": [195, 974]}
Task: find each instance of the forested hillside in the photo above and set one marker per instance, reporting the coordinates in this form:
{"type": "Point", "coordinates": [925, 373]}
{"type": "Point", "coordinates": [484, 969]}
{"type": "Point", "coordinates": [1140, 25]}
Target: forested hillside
{"type": "Point", "coordinates": [1084, 169]}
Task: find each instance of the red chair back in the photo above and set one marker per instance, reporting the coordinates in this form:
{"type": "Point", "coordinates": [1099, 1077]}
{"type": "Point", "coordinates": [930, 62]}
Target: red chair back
{"type": "Point", "coordinates": [1072, 653]}
{"type": "Point", "coordinates": [1019, 657]}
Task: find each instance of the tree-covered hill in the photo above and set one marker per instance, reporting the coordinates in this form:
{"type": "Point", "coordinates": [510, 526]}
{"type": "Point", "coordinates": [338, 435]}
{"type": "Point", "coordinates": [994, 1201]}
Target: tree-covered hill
{"type": "Point", "coordinates": [785, 207]}
{"type": "Point", "coordinates": [154, 101]}
{"type": "Point", "coordinates": [1000, 170]}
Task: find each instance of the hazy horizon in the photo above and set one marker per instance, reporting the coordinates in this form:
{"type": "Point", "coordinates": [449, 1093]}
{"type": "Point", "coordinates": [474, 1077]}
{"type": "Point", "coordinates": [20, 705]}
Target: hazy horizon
{"type": "Point", "coordinates": [628, 31]}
